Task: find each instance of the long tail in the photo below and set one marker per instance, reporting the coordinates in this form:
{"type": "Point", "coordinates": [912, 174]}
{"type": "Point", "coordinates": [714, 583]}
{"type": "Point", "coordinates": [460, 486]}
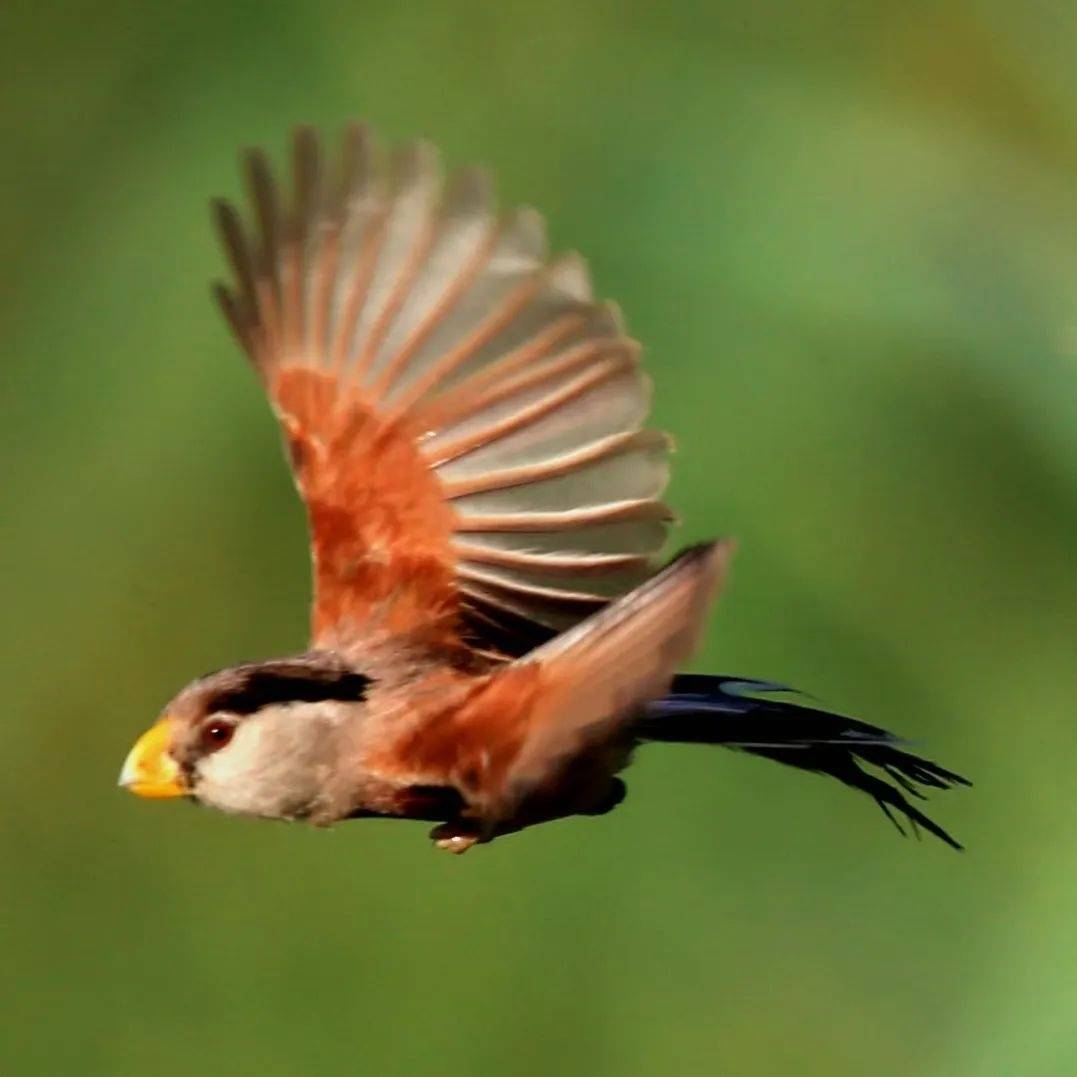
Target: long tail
{"type": "Point", "coordinates": [742, 714]}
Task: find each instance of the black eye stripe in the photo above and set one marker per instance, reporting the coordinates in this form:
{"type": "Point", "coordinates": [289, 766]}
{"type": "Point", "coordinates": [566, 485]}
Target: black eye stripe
{"type": "Point", "coordinates": [262, 688]}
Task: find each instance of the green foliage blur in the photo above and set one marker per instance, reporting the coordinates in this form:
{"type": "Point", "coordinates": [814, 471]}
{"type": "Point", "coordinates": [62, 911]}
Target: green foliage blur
{"type": "Point", "coordinates": [845, 234]}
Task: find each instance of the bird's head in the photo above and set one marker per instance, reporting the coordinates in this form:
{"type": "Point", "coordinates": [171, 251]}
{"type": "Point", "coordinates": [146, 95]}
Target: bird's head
{"type": "Point", "coordinates": [256, 739]}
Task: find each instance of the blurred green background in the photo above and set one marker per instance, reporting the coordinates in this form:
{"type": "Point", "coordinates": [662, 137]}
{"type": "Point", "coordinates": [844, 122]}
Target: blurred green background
{"type": "Point", "coordinates": [845, 234]}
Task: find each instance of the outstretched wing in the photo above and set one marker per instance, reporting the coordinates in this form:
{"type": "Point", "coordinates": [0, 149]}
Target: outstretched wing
{"type": "Point", "coordinates": [521, 724]}
{"type": "Point", "coordinates": [464, 421]}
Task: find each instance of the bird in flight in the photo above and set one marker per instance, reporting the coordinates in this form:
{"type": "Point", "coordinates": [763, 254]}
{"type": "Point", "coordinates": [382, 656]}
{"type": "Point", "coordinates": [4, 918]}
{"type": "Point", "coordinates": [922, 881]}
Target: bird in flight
{"type": "Point", "coordinates": [492, 637]}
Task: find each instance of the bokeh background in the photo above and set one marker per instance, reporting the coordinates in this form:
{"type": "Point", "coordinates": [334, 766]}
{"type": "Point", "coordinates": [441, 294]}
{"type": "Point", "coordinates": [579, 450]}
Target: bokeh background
{"type": "Point", "coordinates": [845, 234]}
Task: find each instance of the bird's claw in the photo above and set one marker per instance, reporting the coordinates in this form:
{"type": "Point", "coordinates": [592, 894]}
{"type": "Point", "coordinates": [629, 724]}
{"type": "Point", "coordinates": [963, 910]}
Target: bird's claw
{"type": "Point", "coordinates": [453, 838]}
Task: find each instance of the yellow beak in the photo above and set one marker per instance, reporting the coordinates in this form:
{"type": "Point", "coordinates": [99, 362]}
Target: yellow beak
{"type": "Point", "coordinates": [148, 770]}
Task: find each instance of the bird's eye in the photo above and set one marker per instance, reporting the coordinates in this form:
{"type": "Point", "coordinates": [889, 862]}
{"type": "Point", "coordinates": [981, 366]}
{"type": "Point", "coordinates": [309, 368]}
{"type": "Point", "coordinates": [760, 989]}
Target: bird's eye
{"type": "Point", "coordinates": [217, 734]}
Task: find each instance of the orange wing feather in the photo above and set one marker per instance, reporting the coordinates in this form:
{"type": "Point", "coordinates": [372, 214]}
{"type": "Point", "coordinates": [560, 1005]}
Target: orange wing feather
{"type": "Point", "coordinates": [381, 531]}
{"type": "Point", "coordinates": [469, 742]}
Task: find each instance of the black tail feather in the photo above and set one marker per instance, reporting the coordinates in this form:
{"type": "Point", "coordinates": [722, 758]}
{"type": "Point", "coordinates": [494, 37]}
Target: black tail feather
{"type": "Point", "coordinates": [742, 714]}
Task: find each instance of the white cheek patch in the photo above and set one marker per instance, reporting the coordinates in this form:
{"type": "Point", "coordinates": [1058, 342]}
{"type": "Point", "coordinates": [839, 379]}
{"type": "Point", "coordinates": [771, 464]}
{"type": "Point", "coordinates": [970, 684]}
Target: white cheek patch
{"type": "Point", "coordinates": [275, 765]}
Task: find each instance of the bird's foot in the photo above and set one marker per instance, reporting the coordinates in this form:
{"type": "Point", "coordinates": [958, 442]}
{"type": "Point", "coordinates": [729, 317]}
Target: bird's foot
{"type": "Point", "coordinates": [455, 837]}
